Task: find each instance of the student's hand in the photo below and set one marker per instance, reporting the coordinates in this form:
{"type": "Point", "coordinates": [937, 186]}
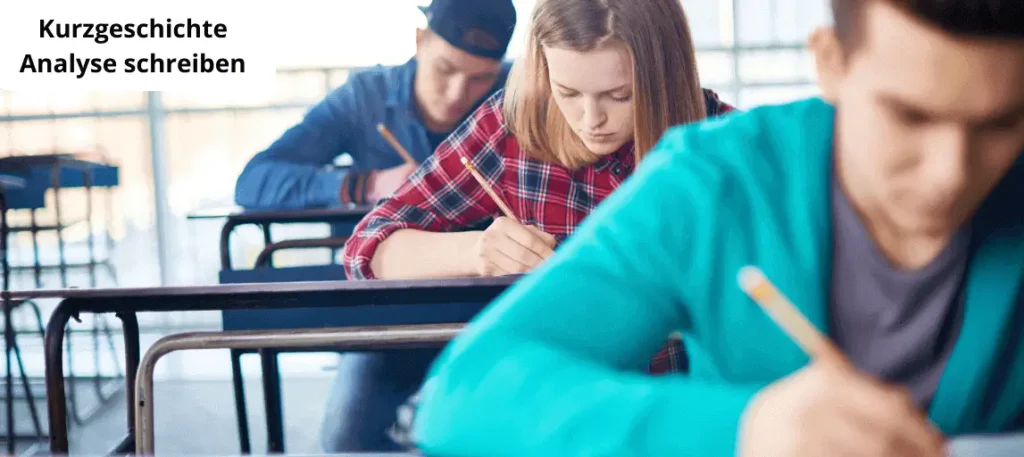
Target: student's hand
{"type": "Point", "coordinates": [507, 247]}
{"type": "Point", "coordinates": [825, 410]}
{"type": "Point", "coordinates": [383, 183]}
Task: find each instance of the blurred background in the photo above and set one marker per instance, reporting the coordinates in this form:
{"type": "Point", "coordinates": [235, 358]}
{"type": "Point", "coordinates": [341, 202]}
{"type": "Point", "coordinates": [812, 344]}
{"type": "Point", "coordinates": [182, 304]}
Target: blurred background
{"type": "Point", "coordinates": [179, 153]}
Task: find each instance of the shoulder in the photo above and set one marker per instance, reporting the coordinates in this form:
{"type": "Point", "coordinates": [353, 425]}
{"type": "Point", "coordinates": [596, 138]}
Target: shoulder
{"type": "Point", "coordinates": [379, 77]}
{"type": "Point", "coordinates": [367, 91]}
{"type": "Point", "coordinates": [487, 122]}
{"type": "Point", "coordinates": [774, 157]}
{"type": "Point", "coordinates": [766, 135]}
{"type": "Point", "coordinates": [743, 184]}
{"type": "Point", "coordinates": [484, 133]}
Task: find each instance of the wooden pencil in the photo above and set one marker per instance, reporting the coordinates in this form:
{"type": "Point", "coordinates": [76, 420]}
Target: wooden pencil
{"type": "Point", "coordinates": [754, 282]}
{"type": "Point", "coordinates": [384, 132]}
{"type": "Point", "coordinates": [487, 188]}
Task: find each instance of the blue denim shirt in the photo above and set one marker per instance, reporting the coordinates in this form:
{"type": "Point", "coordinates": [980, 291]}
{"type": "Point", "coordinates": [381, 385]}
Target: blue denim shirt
{"type": "Point", "coordinates": [296, 170]}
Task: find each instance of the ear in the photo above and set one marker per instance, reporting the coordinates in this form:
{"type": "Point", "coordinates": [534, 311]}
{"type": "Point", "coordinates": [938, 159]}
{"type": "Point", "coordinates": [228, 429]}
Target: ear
{"type": "Point", "coordinates": [421, 37]}
{"type": "Point", "coordinates": [829, 61]}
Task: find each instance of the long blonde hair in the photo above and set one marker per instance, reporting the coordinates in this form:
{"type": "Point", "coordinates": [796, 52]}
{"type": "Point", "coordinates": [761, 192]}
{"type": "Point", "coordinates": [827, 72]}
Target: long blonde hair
{"type": "Point", "coordinates": [666, 87]}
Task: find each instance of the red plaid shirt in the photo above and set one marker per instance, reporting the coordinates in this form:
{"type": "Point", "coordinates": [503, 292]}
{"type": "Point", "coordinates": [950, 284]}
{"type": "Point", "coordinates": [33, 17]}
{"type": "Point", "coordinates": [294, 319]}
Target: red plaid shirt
{"type": "Point", "coordinates": [442, 196]}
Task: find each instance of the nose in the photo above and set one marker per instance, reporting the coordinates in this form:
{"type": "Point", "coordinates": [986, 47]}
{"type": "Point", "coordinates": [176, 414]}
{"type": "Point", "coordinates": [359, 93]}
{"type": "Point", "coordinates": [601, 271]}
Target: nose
{"type": "Point", "coordinates": [594, 116]}
{"type": "Point", "coordinates": [949, 160]}
{"type": "Point", "coordinates": [458, 87]}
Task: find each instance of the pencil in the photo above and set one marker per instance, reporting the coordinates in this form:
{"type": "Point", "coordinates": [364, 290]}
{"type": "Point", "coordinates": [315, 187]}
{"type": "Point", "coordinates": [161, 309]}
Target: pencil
{"type": "Point", "coordinates": [754, 282]}
{"type": "Point", "coordinates": [384, 132]}
{"type": "Point", "coordinates": [487, 188]}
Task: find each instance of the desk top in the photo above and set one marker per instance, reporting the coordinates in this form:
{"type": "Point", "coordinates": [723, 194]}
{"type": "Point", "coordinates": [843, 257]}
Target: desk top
{"type": "Point", "coordinates": [238, 215]}
{"type": "Point", "coordinates": [214, 212]}
{"type": "Point", "coordinates": [316, 294]}
{"type": "Point", "coordinates": [42, 160]}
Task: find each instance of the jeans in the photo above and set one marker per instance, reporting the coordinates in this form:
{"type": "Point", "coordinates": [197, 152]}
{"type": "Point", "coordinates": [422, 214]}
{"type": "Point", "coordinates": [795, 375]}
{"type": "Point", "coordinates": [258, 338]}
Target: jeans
{"type": "Point", "coordinates": [368, 389]}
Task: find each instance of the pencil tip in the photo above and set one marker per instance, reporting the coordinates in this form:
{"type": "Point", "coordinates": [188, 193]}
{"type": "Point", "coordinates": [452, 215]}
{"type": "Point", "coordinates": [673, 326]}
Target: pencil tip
{"type": "Point", "coordinates": [464, 160]}
{"type": "Point", "coordinates": [380, 127]}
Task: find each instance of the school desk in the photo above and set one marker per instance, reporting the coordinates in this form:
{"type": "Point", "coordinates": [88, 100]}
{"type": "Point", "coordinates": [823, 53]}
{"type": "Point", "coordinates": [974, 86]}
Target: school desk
{"type": "Point", "coordinates": [347, 217]}
{"type": "Point", "coordinates": [57, 171]}
{"type": "Point", "coordinates": [344, 338]}
{"type": "Point", "coordinates": [126, 302]}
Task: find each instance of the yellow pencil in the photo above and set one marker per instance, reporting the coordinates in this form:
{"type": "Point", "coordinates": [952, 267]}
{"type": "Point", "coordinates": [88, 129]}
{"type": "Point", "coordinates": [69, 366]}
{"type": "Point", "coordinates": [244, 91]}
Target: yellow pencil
{"type": "Point", "coordinates": [754, 282]}
{"type": "Point", "coordinates": [487, 188]}
{"type": "Point", "coordinates": [384, 132]}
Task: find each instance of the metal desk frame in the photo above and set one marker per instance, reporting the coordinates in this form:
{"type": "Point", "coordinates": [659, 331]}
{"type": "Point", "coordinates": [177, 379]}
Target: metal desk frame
{"type": "Point", "coordinates": [125, 303]}
{"type": "Point", "coordinates": [348, 338]}
{"type": "Point", "coordinates": [236, 217]}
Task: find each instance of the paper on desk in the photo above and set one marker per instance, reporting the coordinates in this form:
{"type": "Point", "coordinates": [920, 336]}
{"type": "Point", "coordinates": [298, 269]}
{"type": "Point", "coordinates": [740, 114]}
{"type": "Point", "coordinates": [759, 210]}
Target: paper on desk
{"type": "Point", "coordinates": [1006, 445]}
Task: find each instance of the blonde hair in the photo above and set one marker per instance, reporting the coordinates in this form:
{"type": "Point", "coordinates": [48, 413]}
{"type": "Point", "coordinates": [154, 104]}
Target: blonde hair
{"type": "Point", "coordinates": [666, 87]}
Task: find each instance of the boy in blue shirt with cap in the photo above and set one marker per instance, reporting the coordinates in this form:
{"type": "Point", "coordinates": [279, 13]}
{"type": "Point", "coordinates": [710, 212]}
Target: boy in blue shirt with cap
{"type": "Point", "coordinates": [458, 64]}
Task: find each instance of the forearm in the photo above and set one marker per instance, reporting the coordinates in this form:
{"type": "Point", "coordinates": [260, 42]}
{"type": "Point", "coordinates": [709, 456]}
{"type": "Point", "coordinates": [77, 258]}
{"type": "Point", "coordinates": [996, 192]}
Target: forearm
{"type": "Point", "coordinates": [276, 184]}
{"type": "Point", "coordinates": [509, 395]}
{"type": "Point", "coordinates": [411, 254]}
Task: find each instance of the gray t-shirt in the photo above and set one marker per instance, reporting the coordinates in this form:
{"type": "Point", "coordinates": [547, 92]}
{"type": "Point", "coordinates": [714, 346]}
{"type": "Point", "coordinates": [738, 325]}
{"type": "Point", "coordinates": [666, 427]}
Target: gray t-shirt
{"type": "Point", "coordinates": [898, 325]}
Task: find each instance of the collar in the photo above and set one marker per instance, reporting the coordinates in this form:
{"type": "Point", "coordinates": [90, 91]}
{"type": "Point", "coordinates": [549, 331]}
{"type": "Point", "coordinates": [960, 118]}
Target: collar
{"type": "Point", "coordinates": [624, 156]}
{"type": "Point", "coordinates": [400, 86]}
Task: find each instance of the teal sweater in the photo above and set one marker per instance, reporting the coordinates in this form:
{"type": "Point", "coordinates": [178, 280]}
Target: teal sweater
{"type": "Point", "coordinates": [555, 366]}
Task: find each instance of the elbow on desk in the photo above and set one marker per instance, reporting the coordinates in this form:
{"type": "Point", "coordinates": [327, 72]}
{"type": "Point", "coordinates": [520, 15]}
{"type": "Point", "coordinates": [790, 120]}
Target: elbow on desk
{"type": "Point", "coordinates": [254, 191]}
{"type": "Point", "coordinates": [248, 188]}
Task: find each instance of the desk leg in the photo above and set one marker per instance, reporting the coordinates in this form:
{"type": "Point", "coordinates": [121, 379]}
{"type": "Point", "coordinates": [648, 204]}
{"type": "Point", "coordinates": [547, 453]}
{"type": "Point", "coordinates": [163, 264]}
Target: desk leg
{"type": "Point", "coordinates": [8, 344]}
{"type": "Point", "coordinates": [37, 266]}
{"type": "Point", "coordinates": [56, 400]}
{"type": "Point", "coordinates": [240, 411]}
{"type": "Point", "coordinates": [272, 400]}
{"type": "Point", "coordinates": [55, 179]}
{"type": "Point", "coordinates": [130, 326]}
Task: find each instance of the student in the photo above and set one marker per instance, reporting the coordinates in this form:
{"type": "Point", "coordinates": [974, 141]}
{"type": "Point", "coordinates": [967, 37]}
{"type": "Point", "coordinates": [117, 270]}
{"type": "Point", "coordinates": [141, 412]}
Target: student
{"type": "Point", "coordinates": [888, 211]}
{"type": "Point", "coordinates": [585, 103]}
{"type": "Point", "coordinates": [457, 65]}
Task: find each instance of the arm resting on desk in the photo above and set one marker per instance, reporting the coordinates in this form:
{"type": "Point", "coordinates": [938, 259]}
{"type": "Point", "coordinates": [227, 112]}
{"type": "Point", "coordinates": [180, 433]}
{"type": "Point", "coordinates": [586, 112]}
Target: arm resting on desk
{"type": "Point", "coordinates": [444, 255]}
{"type": "Point", "coordinates": [293, 172]}
{"type": "Point", "coordinates": [441, 197]}
{"type": "Point", "coordinates": [555, 366]}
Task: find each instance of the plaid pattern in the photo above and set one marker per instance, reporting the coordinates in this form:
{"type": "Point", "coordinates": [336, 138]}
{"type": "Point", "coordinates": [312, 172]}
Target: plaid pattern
{"type": "Point", "coordinates": [442, 196]}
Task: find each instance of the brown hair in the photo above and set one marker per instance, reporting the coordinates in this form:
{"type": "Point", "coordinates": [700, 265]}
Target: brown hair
{"type": "Point", "coordinates": [666, 88]}
{"type": "Point", "coordinates": [969, 18]}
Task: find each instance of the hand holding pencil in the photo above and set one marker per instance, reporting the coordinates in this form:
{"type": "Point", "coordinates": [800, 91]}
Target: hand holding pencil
{"type": "Point", "coordinates": [507, 246]}
{"type": "Point", "coordinates": [382, 183]}
{"type": "Point", "coordinates": [828, 407]}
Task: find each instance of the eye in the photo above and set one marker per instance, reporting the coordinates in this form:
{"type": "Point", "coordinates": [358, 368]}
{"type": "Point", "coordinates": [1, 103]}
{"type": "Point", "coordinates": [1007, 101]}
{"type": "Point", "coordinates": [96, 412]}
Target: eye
{"type": "Point", "coordinates": [621, 98]}
{"type": "Point", "coordinates": [1007, 123]}
{"type": "Point", "coordinates": [482, 79]}
{"type": "Point", "coordinates": [568, 94]}
{"type": "Point", "coordinates": [910, 116]}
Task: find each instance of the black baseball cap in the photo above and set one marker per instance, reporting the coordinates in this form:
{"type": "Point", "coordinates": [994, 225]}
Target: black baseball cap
{"type": "Point", "coordinates": [479, 27]}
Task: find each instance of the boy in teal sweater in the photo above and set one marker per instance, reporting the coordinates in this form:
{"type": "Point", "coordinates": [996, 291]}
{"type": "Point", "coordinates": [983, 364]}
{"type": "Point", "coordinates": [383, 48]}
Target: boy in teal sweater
{"type": "Point", "coordinates": [889, 212]}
